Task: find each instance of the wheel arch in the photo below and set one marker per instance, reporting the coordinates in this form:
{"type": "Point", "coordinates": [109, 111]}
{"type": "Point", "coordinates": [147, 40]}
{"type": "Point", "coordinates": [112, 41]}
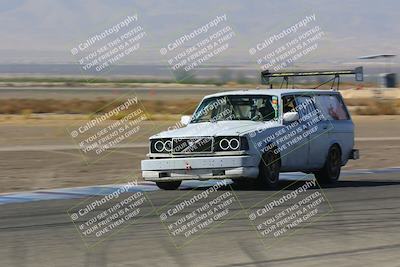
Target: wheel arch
{"type": "Point", "coordinates": [265, 150]}
{"type": "Point", "coordinates": [338, 143]}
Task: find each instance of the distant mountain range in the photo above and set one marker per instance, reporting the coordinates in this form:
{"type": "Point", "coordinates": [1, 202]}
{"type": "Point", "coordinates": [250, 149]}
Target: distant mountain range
{"type": "Point", "coordinates": [44, 31]}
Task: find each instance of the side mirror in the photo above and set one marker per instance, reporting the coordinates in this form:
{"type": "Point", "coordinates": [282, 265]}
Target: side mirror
{"type": "Point", "coordinates": [185, 120]}
{"type": "Point", "coordinates": [290, 117]}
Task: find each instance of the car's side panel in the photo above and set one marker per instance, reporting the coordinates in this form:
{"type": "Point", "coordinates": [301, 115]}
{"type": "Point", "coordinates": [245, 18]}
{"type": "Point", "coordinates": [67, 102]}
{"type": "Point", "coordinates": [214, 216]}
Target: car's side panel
{"type": "Point", "coordinates": [343, 134]}
{"type": "Point", "coordinates": [320, 141]}
{"type": "Point", "coordinates": [260, 141]}
{"type": "Point", "coordinates": [297, 144]}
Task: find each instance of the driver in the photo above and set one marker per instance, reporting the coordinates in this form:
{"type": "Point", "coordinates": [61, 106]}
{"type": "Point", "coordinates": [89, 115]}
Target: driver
{"type": "Point", "coordinates": [265, 112]}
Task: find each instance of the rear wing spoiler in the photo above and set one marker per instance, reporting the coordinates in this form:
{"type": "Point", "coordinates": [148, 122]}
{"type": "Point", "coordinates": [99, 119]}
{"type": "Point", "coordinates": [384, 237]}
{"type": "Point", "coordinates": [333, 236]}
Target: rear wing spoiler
{"type": "Point", "coordinates": [266, 75]}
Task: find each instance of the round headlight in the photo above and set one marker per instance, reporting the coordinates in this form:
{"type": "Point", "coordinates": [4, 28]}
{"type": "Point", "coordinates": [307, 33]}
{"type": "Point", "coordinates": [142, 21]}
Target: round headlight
{"type": "Point", "coordinates": [168, 145]}
{"type": "Point", "coordinates": [159, 146]}
{"type": "Point", "coordinates": [234, 144]}
{"type": "Point", "coordinates": [224, 144]}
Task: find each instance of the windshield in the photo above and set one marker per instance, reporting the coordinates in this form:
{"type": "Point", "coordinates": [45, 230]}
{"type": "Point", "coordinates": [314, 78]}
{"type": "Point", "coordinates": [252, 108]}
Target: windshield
{"type": "Point", "coordinates": [237, 107]}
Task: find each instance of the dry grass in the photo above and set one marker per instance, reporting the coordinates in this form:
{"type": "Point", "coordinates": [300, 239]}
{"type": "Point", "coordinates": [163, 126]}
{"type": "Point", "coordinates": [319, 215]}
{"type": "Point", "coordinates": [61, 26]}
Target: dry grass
{"type": "Point", "coordinates": [378, 107]}
{"type": "Point", "coordinates": [359, 101]}
{"type": "Point", "coordinates": [27, 107]}
{"type": "Point", "coordinates": [73, 106]}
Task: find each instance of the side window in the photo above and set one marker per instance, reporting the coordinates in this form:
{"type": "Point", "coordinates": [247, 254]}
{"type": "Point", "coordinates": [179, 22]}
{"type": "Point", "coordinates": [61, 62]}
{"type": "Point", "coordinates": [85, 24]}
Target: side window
{"type": "Point", "coordinates": [302, 104]}
{"type": "Point", "coordinates": [332, 107]}
{"type": "Point", "coordinates": [305, 105]}
{"type": "Point", "coordinates": [288, 103]}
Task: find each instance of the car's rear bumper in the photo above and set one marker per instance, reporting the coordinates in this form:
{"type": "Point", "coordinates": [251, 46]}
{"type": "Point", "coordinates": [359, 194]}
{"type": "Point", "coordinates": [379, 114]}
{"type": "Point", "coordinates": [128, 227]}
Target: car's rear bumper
{"type": "Point", "coordinates": [199, 168]}
{"type": "Point", "coordinates": [354, 154]}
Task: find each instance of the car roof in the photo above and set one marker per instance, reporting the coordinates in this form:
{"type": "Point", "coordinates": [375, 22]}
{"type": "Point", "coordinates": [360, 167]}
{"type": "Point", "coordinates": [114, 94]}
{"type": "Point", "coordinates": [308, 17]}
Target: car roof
{"type": "Point", "coordinates": [276, 92]}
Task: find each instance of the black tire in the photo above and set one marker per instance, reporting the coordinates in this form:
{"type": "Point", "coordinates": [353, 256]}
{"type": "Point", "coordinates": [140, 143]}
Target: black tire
{"type": "Point", "coordinates": [169, 185]}
{"type": "Point", "coordinates": [269, 168]}
{"type": "Point", "coordinates": [331, 171]}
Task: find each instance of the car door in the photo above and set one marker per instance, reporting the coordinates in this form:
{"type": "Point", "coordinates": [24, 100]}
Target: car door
{"type": "Point", "coordinates": [295, 148]}
{"type": "Point", "coordinates": [321, 133]}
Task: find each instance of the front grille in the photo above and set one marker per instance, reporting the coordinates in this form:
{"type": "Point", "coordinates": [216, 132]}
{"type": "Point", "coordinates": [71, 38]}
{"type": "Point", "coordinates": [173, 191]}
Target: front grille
{"type": "Point", "coordinates": [192, 145]}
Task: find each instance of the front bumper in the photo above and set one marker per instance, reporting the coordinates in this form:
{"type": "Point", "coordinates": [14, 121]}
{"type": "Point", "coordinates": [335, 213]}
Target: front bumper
{"type": "Point", "coordinates": [199, 168]}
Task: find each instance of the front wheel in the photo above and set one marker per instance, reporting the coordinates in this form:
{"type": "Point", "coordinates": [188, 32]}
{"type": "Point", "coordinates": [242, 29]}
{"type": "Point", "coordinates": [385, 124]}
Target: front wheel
{"type": "Point", "coordinates": [169, 185]}
{"type": "Point", "coordinates": [269, 169]}
{"type": "Point", "coordinates": [331, 171]}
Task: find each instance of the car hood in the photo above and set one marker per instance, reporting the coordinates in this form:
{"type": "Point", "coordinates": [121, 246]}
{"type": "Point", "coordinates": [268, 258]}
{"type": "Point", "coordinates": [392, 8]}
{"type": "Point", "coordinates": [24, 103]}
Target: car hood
{"type": "Point", "coordinates": [221, 128]}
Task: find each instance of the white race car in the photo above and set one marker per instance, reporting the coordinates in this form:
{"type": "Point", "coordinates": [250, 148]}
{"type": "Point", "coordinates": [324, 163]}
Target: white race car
{"type": "Point", "coordinates": [252, 136]}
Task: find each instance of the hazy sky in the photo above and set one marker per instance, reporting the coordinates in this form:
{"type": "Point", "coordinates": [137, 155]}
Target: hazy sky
{"type": "Point", "coordinates": [46, 30]}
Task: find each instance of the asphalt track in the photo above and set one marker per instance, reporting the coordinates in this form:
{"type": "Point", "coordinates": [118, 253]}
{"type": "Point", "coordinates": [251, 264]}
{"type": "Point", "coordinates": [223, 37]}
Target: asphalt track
{"type": "Point", "coordinates": [362, 230]}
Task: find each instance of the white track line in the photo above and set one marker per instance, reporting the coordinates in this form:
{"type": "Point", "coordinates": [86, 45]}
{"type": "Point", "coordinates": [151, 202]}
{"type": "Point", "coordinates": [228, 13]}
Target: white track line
{"type": "Point", "coordinates": [87, 191]}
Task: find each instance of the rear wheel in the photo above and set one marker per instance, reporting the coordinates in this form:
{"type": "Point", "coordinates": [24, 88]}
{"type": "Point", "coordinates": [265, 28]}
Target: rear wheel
{"type": "Point", "coordinates": [331, 171]}
{"type": "Point", "coordinates": [269, 169]}
{"type": "Point", "coordinates": [169, 185]}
